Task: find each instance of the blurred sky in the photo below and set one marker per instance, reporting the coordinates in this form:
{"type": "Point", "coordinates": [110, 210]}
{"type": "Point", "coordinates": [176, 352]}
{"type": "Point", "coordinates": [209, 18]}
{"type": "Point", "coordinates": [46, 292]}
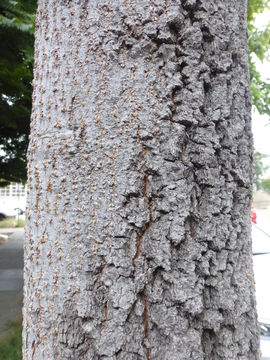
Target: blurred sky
{"type": "Point", "coordinates": [261, 124]}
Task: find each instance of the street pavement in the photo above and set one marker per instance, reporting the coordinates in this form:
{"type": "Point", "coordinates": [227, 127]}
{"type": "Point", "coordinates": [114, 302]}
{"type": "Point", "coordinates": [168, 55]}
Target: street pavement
{"type": "Point", "coordinates": [11, 278]}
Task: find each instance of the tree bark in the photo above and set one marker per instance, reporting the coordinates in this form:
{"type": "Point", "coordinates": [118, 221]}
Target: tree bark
{"type": "Point", "coordinates": [140, 172]}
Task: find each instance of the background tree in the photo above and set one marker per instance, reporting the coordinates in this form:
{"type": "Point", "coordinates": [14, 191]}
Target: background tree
{"type": "Point", "coordinates": [16, 60]}
{"type": "Point", "coordinates": [265, 185]}
{"type": "Point", "coordinates": [259, 169]}
{"type": "Point", "coordinates": [140, 175]}
{"type": "Point", "coordinates": [260, 181]}
{"type": "Point", "coordinates": [259, 46]}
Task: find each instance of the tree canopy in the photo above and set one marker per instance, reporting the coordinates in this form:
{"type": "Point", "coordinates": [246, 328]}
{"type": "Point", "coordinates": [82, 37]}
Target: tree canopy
{"type": "Point", "coordinates": [16, 67]}
{"type": "Point", "coordinates": [259, 46]}
{"type": "Point", "coordinates": [259, 170]}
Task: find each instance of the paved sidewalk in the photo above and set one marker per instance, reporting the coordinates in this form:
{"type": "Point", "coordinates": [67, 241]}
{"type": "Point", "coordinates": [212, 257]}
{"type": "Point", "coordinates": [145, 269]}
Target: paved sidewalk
{"type": "Point", "coordinates": [11, 278]}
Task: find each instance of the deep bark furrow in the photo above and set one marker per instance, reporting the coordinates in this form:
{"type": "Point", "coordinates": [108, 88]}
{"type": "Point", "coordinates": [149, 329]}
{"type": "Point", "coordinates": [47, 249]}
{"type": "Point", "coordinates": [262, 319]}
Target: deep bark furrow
{"type": "Point", "coordinates": [146, 325]}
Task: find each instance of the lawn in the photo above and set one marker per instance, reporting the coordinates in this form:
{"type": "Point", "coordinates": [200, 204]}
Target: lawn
{"type": "Point", "coordinates": [11, 344]}
{"type": "Point", "coordinates": [11, 223]}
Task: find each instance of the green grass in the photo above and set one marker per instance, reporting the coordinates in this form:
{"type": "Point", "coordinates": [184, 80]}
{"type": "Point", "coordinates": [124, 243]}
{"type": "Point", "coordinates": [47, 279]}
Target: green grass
{"type": "Point", "coordinates": [11, 344]}
{"type": "Point", "coordinates": [20, 223]}
{"type": "Point", "coordinates": [11, 223]}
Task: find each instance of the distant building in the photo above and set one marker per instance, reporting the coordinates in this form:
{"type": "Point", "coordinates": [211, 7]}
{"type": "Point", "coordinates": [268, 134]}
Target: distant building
{"type": "Point", "coordinates": [12, 197]}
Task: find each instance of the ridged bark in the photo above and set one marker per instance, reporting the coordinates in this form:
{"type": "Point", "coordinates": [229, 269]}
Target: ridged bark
{"type": "Point", "coordinates": [140, 169]}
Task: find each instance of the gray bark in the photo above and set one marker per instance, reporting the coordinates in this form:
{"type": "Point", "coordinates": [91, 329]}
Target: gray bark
{"type": "Point", "coordinates": [140, 169]}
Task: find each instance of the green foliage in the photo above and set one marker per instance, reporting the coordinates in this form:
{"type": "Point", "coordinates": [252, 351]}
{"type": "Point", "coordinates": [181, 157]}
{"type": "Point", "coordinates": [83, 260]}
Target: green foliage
{"type": "Point", "coordinates": [265, 185]}
{"type": "Point", "coordinates": [16, 68]}
{"type": "Point", "coordinates": [11, 344]}
{"type": "Point", "coordinates": [259, 169]}
{"type": "Point", "coordinates": [259, 46]}
{"type": "Point", "coordinates": [12, 223]}
{"type": "Point", "coordinates": [256, 7]}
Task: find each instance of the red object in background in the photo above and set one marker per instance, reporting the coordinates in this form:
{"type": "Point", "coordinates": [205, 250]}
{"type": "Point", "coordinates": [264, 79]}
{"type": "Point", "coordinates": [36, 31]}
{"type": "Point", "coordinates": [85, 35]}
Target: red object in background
{"type": "Point", "coordinates": [253, 216]}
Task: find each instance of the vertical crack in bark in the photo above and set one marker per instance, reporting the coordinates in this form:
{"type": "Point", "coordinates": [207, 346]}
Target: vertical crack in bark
{"type": "Point", "coordinates": [71, 110]}
{"type": "Point", "coordinates": [106, 310]}
{"type": "Point", "coordinates": [146, 325]}
{"type": "Point", "coordinates": [137, 254]}
{"type": "Point", "coordinates": [138, 251]}
{"type": "Point", "coordinates": [145, 227]}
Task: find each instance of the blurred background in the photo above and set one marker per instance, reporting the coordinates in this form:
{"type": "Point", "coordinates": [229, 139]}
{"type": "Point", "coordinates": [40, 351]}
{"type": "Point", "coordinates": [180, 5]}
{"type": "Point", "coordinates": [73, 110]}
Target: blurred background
{"type": "Point", "coordinates": [17, 20]}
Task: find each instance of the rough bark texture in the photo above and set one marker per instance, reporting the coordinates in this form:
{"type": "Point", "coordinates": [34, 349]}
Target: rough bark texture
{"type": "Point", "coordinates": [138, 233]}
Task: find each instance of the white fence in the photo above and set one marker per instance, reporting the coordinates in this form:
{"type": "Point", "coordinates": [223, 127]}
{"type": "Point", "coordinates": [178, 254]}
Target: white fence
{"type": "Point", "coordinates": [12, 197]}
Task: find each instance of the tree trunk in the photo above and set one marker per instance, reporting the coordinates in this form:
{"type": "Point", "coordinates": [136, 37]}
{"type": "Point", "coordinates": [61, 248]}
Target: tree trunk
{"type": "Point", "coordinates": [140, 171]}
